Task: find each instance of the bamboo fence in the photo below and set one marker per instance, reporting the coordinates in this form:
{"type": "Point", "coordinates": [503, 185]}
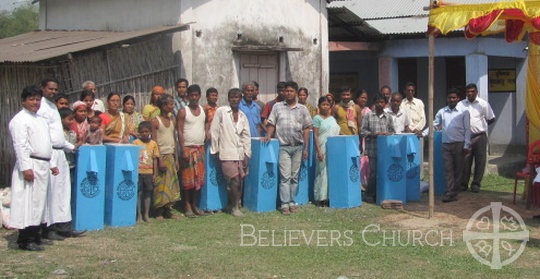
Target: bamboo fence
{"type": "Point", "coordinates": [127, 69]}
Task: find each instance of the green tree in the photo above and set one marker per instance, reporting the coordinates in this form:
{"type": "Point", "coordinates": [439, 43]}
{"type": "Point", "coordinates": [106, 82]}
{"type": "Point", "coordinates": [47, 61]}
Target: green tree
{"type": "Point", "coordinates": [21, 20]}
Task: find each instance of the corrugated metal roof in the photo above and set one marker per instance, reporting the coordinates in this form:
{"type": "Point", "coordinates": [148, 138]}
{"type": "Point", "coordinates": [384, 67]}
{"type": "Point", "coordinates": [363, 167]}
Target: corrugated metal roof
{"type": "Point", "coordinates": [42, 45]}
{"type": "Point", "coordinates": [409, 25]}
{"type": "Point", "coordinates": [386, 17]}
{"type": "Point", "coordinates": [370, 9]}
{"type": "Point", "coordinates": [344, 25]}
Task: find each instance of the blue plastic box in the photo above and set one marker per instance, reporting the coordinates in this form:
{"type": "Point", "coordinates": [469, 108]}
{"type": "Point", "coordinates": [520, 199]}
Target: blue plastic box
{"type": "Point", "coordinates": [410, 144]}
{"type": "Point", "coordinates": [88, 194]}
{"type": "Point", "coordinates": [391, 169]}
{"type": "Point", "coordinates": [121, 185]}
{"type": "Point", "coordinates": [438, 165]}
{"type": "Point", "coordinates": [214, 190]}
{"type": "Point", "coordinates": [261, 183]}
{"type": "Point", "coordinates": [305, 184]}
{"type": "Point", "coordinates": [312, 166]}
{"type": "Point", "coordinates": [343, 159]}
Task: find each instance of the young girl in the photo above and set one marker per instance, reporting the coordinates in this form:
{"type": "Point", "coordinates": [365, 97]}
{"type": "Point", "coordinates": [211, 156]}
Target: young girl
{"type": "Point", "coordinates": [167, 188]}
{"type": "Point", "coordinates": [324, 126]}
{"type": "Point", "coordinates": [80, 124]}
{"type": "Point", "coordinates": [133, 118]}
{"type": "Point", "coordinates": [89, 98]}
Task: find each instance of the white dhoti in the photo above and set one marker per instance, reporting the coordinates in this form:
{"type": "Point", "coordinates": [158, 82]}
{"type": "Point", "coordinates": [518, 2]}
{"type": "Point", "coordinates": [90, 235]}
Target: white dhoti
{"type": "Point", "coordinates": [28, 199]}
{"type": "Point", "coordinates": [59, 194]}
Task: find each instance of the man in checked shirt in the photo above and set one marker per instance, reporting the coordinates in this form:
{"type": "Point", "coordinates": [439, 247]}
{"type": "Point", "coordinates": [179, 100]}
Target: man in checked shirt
{"type": "Point", "coordinates": [375, 123]}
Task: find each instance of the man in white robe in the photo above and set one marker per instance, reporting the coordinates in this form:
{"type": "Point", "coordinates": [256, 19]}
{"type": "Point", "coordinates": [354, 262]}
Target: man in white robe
{"type": "Point", "coordinates": [58, 217]}
{"type": "Point", "coordinates": [34, 158]}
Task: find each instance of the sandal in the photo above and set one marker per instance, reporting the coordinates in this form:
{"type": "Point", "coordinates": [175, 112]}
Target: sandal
{"type": "Point", "coordinates": [190, 214]}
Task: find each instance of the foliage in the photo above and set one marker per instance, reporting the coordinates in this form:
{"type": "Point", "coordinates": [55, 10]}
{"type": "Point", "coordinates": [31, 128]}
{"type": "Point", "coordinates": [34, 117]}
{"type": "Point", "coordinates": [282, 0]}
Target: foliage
{"type": "Point", "coordinates": [21, 20]}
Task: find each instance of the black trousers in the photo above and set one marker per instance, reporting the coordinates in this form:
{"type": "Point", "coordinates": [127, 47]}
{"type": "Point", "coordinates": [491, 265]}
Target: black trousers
{"type": "Point", "coordinates": [453, 163]}
{"type": "Point", "coordinates": [478, 152]}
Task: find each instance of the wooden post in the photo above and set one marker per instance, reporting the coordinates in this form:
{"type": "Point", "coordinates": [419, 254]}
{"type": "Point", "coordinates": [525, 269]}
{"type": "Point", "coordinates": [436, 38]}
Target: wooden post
{"type": "Point", "coordinates": [431, 75]}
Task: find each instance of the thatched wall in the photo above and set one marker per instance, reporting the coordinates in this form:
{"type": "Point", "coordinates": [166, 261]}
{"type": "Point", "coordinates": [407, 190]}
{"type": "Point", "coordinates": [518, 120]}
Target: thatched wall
{"type": "Point", "coordinates": [133, 68]}
{"type": "Point", "coordinates": [13, 79]}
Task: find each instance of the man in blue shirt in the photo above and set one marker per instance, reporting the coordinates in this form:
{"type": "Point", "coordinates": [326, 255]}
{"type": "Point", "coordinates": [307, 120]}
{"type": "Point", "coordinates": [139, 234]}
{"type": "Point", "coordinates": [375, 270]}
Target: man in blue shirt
{"type": "Point", "coordinates": [251, 109]}
{"type": "Point", "coordinates": [454, 122]}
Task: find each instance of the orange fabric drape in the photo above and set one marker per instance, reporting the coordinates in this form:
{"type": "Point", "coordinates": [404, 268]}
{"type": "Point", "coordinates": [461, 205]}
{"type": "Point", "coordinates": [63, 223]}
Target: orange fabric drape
{"type": "Point", "coordinates": [532, 99]}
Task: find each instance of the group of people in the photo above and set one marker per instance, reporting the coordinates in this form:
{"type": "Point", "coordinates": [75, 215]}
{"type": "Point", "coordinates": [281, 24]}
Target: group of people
{"type": "Point", "coordinates": [464, 125]}
{"type": "Point", "coordinates": [173, 131]}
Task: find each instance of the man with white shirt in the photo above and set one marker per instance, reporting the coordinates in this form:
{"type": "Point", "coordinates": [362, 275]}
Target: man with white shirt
{"type": "Point", "coordinates": [59, 193]}
{"type": "Point", "coordinates": [400, 119]}
{"type": "Point", "coordinates": [231, 142]}
{"type": "Point", "coordinates": [455, 125]}
{"type": "Point", "coordinates": [414, 109]}
{"type": "Point", "coordinates": [30, 179]}
{"type": "Point", "coordinates": [481, 116]}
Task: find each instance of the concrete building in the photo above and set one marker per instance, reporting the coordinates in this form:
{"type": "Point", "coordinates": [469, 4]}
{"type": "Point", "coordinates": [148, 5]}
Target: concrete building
{"type": "Point", "coordinates": [383, 42]}
{"type": "Point", "coordinates": [229, 42]}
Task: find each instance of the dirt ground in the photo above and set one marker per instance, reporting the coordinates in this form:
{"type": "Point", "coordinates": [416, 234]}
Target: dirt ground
{"type": "Point", "coordinates": [456, 215]}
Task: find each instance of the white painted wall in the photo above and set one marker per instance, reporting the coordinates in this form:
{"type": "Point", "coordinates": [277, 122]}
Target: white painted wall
{"type": "Point", "coordinates": [208, 60]}
{"type": "Point", "coordinates": [115, 15]}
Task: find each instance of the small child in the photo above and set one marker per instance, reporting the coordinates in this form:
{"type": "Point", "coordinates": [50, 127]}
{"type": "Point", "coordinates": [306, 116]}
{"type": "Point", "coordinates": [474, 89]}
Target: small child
{"type": "Point", "coordinates": [66, 114]}
{"type": "Point", "coordinates": [148, 166]}
{"type": "Point", "coordinates": [61, 101]}
{"type": "Point", "coordinates": [94, 135]}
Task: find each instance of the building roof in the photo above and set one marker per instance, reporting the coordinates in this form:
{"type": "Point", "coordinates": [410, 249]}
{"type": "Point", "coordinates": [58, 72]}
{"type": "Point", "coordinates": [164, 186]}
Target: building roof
{"type": "Point", "coordinates": [383, 17]}
{"type": "Point", "coordinates": [42, 45]}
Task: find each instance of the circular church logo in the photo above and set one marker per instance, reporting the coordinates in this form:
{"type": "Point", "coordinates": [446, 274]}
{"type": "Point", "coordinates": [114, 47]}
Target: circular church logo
{"type": "Point", "coordinates": [413, 171]}
{"type": "Point", "coordinates": [90, 186]}
{"type": "Point", "coordinates": [126, 190]}
{"type": "Point", "coordinates": [268, 180]}
{"type": "Point", "coordinates": [496, 235]}
{"type": "Point", "coordinates": [354, 173]}
{"type": "Point", "coordinates": [395, 172]}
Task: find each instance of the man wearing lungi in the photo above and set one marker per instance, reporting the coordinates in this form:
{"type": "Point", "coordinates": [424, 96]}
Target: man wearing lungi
{"type": "Point", "coordinates": [191, 135]}
{"type": "Point", "coordinates": [231, 142]}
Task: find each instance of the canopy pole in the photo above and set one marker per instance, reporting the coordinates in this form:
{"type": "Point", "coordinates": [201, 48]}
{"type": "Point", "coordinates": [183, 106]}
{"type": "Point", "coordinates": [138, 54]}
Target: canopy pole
{"type": "Point", "coordinates": [431, 75]}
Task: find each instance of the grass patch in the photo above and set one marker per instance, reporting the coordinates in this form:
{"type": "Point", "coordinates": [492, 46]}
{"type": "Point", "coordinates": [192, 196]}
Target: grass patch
{"type": "Point", "coordinates": [315, 243]}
